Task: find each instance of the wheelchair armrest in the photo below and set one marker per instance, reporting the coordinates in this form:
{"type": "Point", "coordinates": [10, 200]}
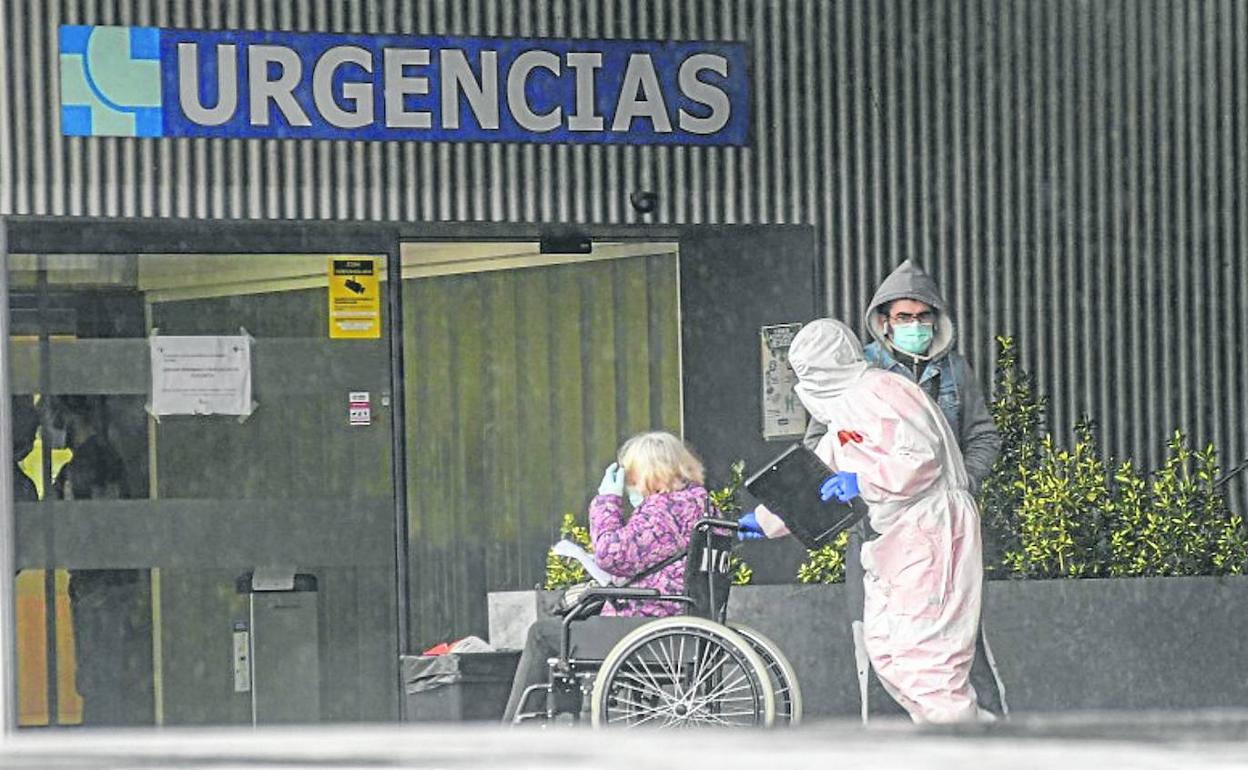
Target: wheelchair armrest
{"type": "Point", "coordinates": [620, 592]}
{"type": "Point", "coordinates": [593, 597]}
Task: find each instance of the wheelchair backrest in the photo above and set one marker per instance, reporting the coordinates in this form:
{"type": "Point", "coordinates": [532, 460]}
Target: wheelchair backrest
{"type": "Point", "coordinates": [708, 574]}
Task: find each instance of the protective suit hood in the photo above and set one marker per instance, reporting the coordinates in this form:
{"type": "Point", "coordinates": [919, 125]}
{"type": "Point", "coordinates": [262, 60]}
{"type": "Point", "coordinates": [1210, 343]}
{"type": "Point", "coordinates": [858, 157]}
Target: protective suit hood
{"type": "Point", "coordinates": [827, 358]}
{"type": "Point", "coordinates": [909, 281]}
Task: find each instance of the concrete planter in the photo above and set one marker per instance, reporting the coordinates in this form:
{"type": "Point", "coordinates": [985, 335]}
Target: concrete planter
{"type": "Point", "coordinates": [512, 612]}
{"type": "Point", "coordinates": [1130, 643]}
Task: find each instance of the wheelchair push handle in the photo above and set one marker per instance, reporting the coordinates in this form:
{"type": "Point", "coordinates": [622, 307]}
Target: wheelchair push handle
{"type": "Point", "coordinates": [704, 524]}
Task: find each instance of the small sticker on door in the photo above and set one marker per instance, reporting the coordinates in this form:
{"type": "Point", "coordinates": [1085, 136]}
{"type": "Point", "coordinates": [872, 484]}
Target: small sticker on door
{"type": "Point", "coordinates": [359, 408]}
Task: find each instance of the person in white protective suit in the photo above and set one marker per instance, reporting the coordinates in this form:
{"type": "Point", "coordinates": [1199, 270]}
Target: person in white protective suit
{"type": "Point", "coordinates": [889, 443]}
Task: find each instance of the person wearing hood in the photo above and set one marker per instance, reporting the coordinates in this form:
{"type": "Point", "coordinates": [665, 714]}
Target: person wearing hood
{"type": "Point", "coordinates": [913, 335]}
{"type": "Point", "coordinates": [889, 444]}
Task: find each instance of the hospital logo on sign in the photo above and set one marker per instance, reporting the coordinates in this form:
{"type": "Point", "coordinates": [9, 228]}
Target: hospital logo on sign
{"type": "Point", "coordinates": [110, 81]}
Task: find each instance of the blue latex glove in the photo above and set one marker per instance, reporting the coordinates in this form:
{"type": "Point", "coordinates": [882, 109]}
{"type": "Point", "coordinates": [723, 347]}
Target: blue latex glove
{"type": "Point", "coordinates": [842, 485]}
{"type": "Point", "coordinates": [612, 481]}
{"type": "Point", "coordinates": [749, 528]}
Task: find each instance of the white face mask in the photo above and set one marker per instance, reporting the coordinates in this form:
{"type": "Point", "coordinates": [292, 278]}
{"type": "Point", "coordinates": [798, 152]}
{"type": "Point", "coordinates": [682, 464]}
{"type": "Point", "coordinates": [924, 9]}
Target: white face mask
{"type": "Point", "coordinates": [635, 497]}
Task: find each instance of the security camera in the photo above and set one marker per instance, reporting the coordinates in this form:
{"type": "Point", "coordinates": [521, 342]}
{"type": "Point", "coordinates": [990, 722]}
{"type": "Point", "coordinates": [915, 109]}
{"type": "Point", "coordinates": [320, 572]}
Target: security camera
{"type": "Point", "coordinates": [643, 201]}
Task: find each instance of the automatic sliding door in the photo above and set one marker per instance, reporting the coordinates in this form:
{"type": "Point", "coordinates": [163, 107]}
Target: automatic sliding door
{"type": "Point", "coordinates": [162, 530]}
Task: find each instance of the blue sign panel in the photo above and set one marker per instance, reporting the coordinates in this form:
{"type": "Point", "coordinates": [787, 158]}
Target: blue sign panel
{"type": "Point", "coordinates": [145, 81]}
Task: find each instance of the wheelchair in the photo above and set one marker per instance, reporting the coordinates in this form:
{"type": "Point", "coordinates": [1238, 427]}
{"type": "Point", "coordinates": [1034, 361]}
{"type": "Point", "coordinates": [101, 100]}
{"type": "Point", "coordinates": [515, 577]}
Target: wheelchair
{"type": "Point", "coordinates": [690, 670]}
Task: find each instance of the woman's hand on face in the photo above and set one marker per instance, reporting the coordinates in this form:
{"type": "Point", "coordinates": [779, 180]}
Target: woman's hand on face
{"type": "Point", "coordinates": [612, 481]}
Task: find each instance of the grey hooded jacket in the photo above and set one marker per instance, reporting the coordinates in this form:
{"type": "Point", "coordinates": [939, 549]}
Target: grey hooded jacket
{"type": "Point", "coordinates": [944, 373]}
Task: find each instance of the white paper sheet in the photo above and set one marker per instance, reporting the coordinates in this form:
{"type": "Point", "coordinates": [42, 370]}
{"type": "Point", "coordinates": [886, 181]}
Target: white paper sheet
{"type": "Point", "coordinates": [574, 551]}
{"type": "Point", "coordinates": [201, 375]}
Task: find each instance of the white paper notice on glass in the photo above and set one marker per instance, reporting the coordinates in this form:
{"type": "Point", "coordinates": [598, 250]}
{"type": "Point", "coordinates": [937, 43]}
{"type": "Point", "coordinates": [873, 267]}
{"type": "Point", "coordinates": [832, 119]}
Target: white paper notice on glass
{"type": "Point", "coordinates": [201, 375]}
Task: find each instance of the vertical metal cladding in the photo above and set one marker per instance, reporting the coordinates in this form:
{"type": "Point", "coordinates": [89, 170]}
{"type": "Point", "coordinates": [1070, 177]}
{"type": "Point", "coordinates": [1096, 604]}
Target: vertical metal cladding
{"type": "Point", "coordinates": [1072, 172]}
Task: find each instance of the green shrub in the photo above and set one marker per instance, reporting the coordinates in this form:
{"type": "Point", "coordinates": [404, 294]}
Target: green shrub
{"type": "Point", "coordinates": [727, 500]}
{"type": "Point", "coordinates": [826, 564]}
{"type": "Point", "coordinates": [562, 571]}
{"type": "Point", "coordinates": [1018, 412]}
{"type": "Point", "coordinates": [742, 573]}
{"type": "Point", "coordinates": [1175, 522]}
{"type": "Point", "coordinates": [1063, 502]}
{"type": "Point", "coordinates": [1051, 512]}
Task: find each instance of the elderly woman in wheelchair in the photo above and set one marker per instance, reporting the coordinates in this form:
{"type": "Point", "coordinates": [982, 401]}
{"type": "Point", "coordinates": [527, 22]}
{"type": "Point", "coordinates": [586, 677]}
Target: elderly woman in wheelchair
{"type": "Point", "coordinates": [656, 650]}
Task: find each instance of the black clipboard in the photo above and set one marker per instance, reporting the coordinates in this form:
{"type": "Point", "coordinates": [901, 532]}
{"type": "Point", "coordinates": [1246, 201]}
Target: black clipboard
{"type": "Point", "coordinates": [789, 487]}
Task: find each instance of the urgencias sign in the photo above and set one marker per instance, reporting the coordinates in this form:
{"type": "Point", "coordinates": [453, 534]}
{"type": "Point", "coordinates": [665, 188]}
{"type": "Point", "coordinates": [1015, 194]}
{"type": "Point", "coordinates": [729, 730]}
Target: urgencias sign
{"type": "Point", "coordinates": [156, 82]}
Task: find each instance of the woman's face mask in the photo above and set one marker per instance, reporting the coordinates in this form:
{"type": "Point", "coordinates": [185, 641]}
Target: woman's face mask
{"type": "Point", "coordinates": [914, 338]}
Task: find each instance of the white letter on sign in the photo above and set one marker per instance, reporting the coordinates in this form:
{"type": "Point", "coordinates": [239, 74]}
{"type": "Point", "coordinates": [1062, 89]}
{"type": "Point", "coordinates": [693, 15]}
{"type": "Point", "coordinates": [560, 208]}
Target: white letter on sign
{"type": "Point", "coordinates": [399, 85]}
{"type": "Point", "coordinates": [359, 94]}
{"type": "Point", "coordinates": [584, 65]}
{"type": "Point", "coordinates": [705, 93]}
{"type": "Point", "coordinates": [227, 84]}
{"type": "Point", "coordinates": [517, 78]}
{"type": "Point", "coordinates": [641, 77]}
{"type": "Point", "coordinates": [259, 57]}
{"type": "Point", "coordinates": [482, 97]}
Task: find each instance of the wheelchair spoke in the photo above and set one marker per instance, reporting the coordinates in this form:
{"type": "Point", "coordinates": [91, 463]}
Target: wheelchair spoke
{"type": "Point", "coordinates": [707, 670]}
{"type": "Point", "coordinates": [721, 689]}
{"type": "Point", "coordinates": [663, 660]}
{"type": "Point", "coordinates": [640, 685]}
{"type": "Point", "coordinates": [628, 718]}
{"type": "Point", "coordinates": [673, 669]}
{"type": "Point", "coordinates": [647, 677]}
{"type": "Point", "coordinates": [680, 657]}
{"type": "Point", "coordinates": [642, 706]}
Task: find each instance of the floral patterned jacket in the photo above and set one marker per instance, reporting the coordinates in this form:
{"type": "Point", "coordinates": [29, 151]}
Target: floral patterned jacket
{"type": "Point", "coordinates": [659, 528]}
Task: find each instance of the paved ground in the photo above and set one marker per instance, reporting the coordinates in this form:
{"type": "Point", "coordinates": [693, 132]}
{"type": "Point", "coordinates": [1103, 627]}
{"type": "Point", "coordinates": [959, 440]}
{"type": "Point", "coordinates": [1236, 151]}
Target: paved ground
{"type": "Point", "coordinates": [1184, 740]}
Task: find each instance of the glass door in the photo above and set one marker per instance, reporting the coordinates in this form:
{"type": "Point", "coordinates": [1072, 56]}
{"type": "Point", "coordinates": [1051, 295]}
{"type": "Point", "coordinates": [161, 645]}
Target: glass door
{"type": "Point", "coordinates": [204, 491]}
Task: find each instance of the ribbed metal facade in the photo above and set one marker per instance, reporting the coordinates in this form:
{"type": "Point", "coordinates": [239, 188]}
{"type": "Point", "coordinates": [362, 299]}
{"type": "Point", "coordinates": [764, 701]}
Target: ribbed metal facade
{"type": "Point", "coordinates": [1073, 171]}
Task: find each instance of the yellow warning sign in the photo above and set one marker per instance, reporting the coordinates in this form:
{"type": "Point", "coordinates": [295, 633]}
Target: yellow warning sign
{"type": "Point", "coordinates": [354, 299]}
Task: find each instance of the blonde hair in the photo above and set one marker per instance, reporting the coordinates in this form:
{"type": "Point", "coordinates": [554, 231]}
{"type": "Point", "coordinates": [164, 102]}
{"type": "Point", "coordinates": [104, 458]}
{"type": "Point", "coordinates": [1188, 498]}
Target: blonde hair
{"type": "Point", "coordinates": [659, 462]}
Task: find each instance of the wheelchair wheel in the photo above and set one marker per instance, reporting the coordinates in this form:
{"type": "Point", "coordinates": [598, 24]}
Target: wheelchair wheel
{"type": "Point", "coordinates": [783, 679]}
{"type": "Point", "coordinates": [682, 672]}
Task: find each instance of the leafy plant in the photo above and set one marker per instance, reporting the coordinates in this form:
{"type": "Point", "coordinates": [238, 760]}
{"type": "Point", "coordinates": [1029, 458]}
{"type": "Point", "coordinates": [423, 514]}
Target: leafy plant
{"type": "Point", "coordinates": [742, 573]}
{"type": "Point", "coordinates": [826, 564]}
{"type": "Point", "coordinates": [1062, 510]}
{"type": "Point", "coordinates": [1018, 412]}
{"type": "Point", "coordinates": [1053, 512]}
{"type": "Point", "coordinates": [1175, 522]}
{"type": "Point", "coordinates": [727, 500]}
{"type": "Point", "coordinates": [563, 571]}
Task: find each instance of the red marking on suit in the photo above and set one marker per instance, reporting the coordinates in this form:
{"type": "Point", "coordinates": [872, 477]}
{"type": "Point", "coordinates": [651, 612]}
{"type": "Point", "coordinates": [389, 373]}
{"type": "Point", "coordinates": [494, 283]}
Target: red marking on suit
{"type": "Point", "coordinates": [847, 436]}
